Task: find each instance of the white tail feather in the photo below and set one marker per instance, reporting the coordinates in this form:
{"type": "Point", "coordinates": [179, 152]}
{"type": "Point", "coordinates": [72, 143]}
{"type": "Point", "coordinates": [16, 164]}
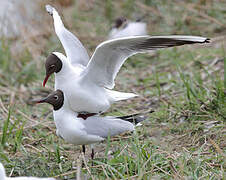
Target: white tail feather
{"type": "Point", "coordinates": [118, 96]}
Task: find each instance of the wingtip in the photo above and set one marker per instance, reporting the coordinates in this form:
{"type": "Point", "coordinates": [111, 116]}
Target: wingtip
{"type": "Point", "coordinates": [143, 116]}
{"type": "Point", "coordinates": [207, 40]}
{"type": "Point", "coordinates": [49, 9]}
{"type": "Point", "coordinates": [137, 117]}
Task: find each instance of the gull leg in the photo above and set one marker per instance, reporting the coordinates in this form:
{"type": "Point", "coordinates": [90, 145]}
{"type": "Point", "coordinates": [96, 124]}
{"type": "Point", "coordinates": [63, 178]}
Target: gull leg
{"type": "Point", "coordinates": [83, 153]}
{"type": "Point", "coordinates": [84, 149]}
{"type": "Point", "coordinates": [92, 154]}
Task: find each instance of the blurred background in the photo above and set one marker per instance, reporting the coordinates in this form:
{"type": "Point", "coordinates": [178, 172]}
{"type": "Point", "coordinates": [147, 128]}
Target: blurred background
{"type": "Point", "coordinates": [27, 22]}
{"type": "Point", "coordinates": [184, 85]}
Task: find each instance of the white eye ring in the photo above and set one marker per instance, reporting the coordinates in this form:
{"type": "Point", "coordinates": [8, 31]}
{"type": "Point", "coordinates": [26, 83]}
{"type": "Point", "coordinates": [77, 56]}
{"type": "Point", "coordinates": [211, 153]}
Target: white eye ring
{"type": "Point", "coordinates": [56, 97]}
{"type": "Point", "coordinates": [52, 66]}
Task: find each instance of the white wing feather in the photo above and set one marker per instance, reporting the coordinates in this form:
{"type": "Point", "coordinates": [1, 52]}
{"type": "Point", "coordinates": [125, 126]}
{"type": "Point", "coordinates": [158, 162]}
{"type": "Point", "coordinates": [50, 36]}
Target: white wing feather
{"type": "Point", "coordinates": [132, 29]}
{"type": "Point", "coordinates": [104, 126]}
{"type": "Point", "coordinates": [74, 49]}
{"type": "Point", "coordinates": [110, 55]}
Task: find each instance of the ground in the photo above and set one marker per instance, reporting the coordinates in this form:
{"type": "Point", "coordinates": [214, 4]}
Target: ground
{"type": "Point", "coordinates": [183, 139]}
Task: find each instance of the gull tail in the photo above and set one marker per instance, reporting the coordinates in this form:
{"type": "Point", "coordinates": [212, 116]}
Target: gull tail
{"type": "Point", "coordinates": [136, 118]}
{"type": "Point", "coordinates": [118, 96]}
{"type": "Point", "coordinates": [50, 9]}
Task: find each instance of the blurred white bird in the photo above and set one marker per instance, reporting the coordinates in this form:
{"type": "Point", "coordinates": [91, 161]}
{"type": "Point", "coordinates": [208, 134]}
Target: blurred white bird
{"type": "Point", "coordinates": [4, 177]}
{"type": "Point", "coordinates": [94, 129]}
{"type": "Point", "coordinates": [87, 83]}
{"type": "Point", "coordinates": [125, 28]}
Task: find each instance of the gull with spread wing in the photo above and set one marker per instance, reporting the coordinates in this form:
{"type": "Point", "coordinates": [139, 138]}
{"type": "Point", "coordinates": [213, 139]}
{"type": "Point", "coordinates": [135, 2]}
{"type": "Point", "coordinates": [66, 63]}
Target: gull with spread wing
{"type": "Point", "coordinates": [88, 83]}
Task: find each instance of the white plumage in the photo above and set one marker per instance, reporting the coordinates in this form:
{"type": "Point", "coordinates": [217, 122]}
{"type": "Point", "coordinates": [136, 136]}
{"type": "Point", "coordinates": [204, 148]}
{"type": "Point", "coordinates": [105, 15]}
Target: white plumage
{"type": "Point", "coordinates": [94, 129]}
{"type": "Point", "coordinates": [87, 86]}
{"type": "Point", "coordinates": [131, 29]}
{"type": "Point", "coordinates": [74, 49]}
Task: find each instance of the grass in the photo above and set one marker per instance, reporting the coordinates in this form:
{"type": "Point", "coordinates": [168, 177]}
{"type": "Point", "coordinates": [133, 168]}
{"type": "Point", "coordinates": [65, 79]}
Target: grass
{"type": "Point", "coordinates": [183, 139]}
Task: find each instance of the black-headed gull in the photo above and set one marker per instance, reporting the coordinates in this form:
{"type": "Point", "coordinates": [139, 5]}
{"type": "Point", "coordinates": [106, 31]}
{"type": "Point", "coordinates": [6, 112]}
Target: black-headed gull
{"type": "Point", "coordinates": [4, 177]}
{"type": "Point", "coordinates": [94, 129]}
{"type": "Point", "coordinates": [124, 28]}
{"type": "Point", "coordinates": [88, 86]}
{"type": "Point", "coordinates": [77, 59]}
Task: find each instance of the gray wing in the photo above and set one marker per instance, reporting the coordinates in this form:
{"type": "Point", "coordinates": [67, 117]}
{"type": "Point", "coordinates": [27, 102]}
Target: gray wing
{"type": "Point", "coordinates": [104, 126]}
{"type": "Point", "coordinates": [110, 55]}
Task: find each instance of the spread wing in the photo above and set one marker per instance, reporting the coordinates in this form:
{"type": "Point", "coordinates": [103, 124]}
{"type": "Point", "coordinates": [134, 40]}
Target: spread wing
{"type": "Point", "coordinates": [74, 49]}
{"type": "Point", "coordinates": [110, 55]}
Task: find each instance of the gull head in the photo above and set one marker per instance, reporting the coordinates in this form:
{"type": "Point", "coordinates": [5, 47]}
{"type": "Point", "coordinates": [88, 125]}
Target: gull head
{"type": "Point", "coordinates": [53, 64]}
{"type": "Point", "coordinates": [119, 22]}
{"type": "Point", "coordinates": [56, 99]}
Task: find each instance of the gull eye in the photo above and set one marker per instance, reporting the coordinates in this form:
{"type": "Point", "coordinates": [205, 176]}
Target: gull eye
{"type": "Point", "coordinates": [56, 97]}
{"type": "Point", "coordinates": [52, 66]}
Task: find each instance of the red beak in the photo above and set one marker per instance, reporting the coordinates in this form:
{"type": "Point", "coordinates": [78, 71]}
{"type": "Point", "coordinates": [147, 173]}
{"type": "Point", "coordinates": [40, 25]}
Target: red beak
{"type": "Point", "coordinates": [43, 100]}
{"type": "Point", "coordinates": [45, 80]}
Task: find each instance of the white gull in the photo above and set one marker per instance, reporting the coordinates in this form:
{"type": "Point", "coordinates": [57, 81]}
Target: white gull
{"type": "Point", "coordinates": [88, 83]}
{"type": "Point", "coordinates": [124, 28]}
{"type": "Point", "coordinates": [93, 129]}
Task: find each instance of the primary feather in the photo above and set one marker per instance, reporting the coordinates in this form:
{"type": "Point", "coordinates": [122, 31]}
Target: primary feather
{"type": "Point", "coordinates": [110, 55]}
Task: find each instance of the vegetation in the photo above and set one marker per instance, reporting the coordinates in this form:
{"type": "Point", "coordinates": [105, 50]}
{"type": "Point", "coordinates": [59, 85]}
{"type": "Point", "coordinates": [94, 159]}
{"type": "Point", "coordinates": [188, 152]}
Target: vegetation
{"type": "Point", "coordinates": [183, 139]}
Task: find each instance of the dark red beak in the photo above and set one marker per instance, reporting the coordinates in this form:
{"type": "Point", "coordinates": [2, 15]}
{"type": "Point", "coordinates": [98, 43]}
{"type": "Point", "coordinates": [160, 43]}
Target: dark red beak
{"type": "Point", "coordinates": [43, 100]}
{"type": "Point", "coordinates": [45, 80]}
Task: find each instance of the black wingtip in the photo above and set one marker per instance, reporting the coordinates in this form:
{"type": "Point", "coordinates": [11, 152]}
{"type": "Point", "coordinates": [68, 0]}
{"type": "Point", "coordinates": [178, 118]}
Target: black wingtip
{"type": "Point", "coordinates": [49, 9]}
{"type": "Point", "coordinates": [136, 118]}
{"type": "Point", "coordinates": [207, 40]}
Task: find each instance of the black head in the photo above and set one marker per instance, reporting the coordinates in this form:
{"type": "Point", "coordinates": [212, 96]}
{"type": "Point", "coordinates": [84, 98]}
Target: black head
{"type": "Point", "coordinates": [56, 99]}
{"type": "Point", "coordinates": [119, 22]}
{"type": "Point", "coordinates": [53, 64]}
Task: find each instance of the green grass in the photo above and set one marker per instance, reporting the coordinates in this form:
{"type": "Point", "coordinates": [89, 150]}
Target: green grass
{"type": "Point", "coordinates": [183, 139]}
